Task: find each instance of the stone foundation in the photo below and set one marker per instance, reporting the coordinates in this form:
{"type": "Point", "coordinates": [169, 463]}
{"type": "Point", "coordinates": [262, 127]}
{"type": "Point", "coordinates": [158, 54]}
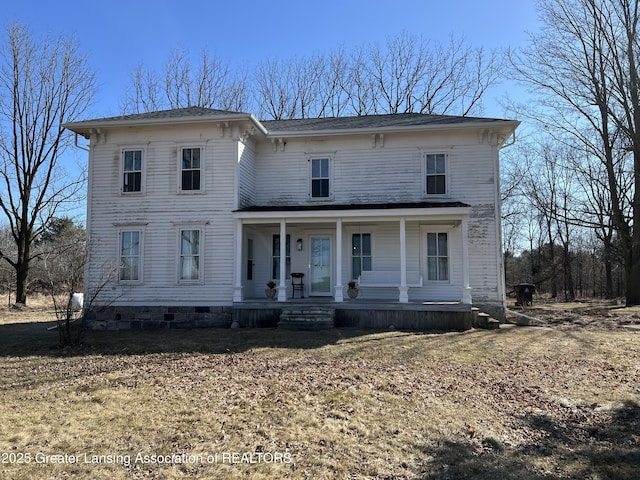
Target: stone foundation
{"type": "Point", "coordinates": [152, 318]}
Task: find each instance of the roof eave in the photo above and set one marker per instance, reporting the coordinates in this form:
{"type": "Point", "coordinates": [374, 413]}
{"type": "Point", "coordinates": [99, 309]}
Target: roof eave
{"type": "Point", "coordinates": [511, 125]}
{"type": "Point", "coordinates": [85, 128]}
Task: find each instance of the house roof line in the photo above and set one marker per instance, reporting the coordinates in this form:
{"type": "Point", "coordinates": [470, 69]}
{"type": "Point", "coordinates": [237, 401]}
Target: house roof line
{"type": "Point", "coordinates": [391, 129]}
{"type": "Point", "coordinates": [291, 128]}
{"type": "Point", "coordinates": [168, 117]}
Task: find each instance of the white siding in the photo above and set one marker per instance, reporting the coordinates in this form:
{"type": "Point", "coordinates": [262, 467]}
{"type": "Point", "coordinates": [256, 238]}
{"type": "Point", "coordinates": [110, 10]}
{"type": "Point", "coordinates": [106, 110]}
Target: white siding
{"type": "Point", "coordinates": [246, 175]}
{"type": "Point", "coordinates": [240, 173]}
{"type": "Point", "coordinates": [161, 212]}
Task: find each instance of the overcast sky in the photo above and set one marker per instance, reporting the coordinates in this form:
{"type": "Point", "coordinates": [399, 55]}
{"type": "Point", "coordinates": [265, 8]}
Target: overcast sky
{"type": "Point", "coordinates": [117, 35]}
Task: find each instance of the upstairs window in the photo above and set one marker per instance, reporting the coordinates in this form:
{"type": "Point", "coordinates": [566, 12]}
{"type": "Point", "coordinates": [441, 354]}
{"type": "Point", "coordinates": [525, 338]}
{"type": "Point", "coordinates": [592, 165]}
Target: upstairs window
{"type": "Point", "coordinates": [438, 256]}
{"type": "Point", "coordinates": [360, 253]}
{"type": "Point", "coordinates": [320, 177]}
{"type": "Point", "coordinates": [132, 171]}
{"type": "Point", "coordinates": [190, 169]}
{"type": "Point", "coordinates": [436, 175]}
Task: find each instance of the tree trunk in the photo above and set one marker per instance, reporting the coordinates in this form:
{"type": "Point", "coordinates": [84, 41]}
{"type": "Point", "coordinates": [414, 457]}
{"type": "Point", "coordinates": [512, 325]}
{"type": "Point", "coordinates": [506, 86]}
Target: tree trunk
{"type": "Point", "coordinates": [632, 273]}
{"type": "Point", "coordinates": [569, 288]}
{"type": "Point", "coordinates": [22, 266]}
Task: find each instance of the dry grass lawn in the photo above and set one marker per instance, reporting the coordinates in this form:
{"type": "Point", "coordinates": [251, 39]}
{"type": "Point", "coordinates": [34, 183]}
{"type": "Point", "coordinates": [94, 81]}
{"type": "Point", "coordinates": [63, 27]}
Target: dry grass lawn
{"type": "Point", "coordinates": [560, 401]}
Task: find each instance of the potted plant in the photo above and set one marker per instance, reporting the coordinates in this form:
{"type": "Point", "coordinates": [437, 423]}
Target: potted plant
{"type": "Point", "coordinates": [352, 291]}
{"type": "Point", "coordinates": [270, 291]}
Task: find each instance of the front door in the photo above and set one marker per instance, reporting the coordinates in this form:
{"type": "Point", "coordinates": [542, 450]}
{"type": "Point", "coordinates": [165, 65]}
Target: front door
{"type": "Point", "coordinates": [320, 266]}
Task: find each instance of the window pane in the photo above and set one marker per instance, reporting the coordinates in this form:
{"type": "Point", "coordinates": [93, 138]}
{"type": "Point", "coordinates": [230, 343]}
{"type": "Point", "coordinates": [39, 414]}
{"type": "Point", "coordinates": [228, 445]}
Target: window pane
{"type": "Point", "coordinates": [355, 267]}
{"type": "Point", "coordinates": [442, 244]}
{"type": "Point", "coordinates": [315, 168]}
{"type": "Point", "coordinates": [130, 243]}
{"type": "Point", "coordinates": [432, 249]}
{"type": "Point", "coordinates": [275, 268]}
{"type": "Point", "coordinates": [190, 243]}
{"type": "Point", "coordinates": [366, 244]}
{"type": "Point", "coordinates": [132, 182]}
{"type": "Point", "coordinates": [432, 268]}
{"type": "Point", "coordinates": [431, 184]}
{"type": "Point", "coordinates": [356, 244]}
{"type": "Point", "coordinates": [132, 160]}
{"type": "Point", "coordinates": [431, 164]}
{"type": "Point", "coordinates": [443, 268]}
{"type": "Point", "coordinates": [440, 164]}
{"type": "Point", "coordinates": [189, 268]}
{"type": "Point", "coordinates": [366, 264]}
{"type": "Point", "coordinates": [324, 188]}
{"type": "Point", "coordinates": [316, 188]}
{"type": "Point", "coordinates": [324, 168]}
{"type": "Point", "coordinates": [275, 246]}
{"type": "Point", "coordinates": [128, 161]}
{"type": "Point", "coordinates": [191, 180]}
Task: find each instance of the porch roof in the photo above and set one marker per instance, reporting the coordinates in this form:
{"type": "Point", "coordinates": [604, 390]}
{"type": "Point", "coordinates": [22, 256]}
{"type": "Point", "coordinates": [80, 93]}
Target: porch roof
{"type": "Point", "coordinates": [387, 211]}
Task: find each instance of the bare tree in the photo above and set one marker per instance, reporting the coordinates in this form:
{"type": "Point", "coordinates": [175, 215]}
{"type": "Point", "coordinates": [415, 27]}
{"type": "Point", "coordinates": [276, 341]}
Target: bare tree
{"type": "Point", "coordinates": [210, 83]}
{"type": "Point", "coordinates": [144, 92]}
{"type": "Point", "coordinates": [333, 80]}
{"type": "Point", "coordinates": [414, 75]}
{"type": "Point", "coordinates": [43, 84]}
{"type": "Point", "coordinates": [406, 74]}
{"type": "Point", "coordinates": [584, 69]}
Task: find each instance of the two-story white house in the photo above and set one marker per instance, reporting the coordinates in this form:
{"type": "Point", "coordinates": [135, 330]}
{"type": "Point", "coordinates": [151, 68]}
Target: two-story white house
{"type": "Point", "coordinates": [192, 211]}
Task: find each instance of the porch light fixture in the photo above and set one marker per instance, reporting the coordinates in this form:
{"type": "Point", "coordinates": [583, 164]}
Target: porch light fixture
{"type": "Point", "coordinates": [299, 245]}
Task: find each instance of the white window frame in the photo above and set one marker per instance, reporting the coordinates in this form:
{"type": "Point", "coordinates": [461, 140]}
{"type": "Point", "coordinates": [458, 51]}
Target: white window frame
{"type": "Point", "coordinates": [311, 178]}
{"type": "Point", "coordinates": [200, 254]}
{"type": "Point", "coordinates": [133, 148]}
{"type": "Point", "coordinates": [351, 256]}
{"type": "Point", "coordinates": [425, 267]}
{"type": "Point", "coordinates": [180, 149]}
{"type": "Point", "coordinates": [446, 174]}
{"type": "Point", "coordinates": [140, 232]}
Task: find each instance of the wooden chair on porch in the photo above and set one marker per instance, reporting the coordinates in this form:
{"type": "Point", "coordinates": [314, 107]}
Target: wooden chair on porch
{"type": "Point", "coordinates": [297, 284]}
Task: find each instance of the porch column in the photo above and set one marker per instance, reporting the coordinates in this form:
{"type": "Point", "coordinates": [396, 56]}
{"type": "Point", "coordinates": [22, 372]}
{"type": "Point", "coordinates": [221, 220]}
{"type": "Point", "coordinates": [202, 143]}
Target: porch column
{"type": "Point", "coordinates": [237, 265]}
{"type": "Point", "coordinates": [338, 296]}
{"type": "Point", "coordinates": [404, 290]}
{"type": "Point", "coordinates": [282, 288]}
{"type": "Point", "coordinates": [466, 288]}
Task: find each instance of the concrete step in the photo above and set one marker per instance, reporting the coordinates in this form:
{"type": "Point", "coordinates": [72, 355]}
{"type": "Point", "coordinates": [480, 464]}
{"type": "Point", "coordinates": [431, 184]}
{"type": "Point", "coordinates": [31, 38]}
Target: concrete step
{"type": "Point", "coordinates": [303, 318]}
{"type": "Point", "coordinates": [484, 320]}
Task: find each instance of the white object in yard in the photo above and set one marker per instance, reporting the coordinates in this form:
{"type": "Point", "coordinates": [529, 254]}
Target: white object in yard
{"type": "Point", "coordinates": [77, 301]}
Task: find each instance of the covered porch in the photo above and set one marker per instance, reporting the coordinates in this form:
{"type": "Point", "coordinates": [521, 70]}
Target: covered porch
{"type": "Point", "coordinates": [411, 254]}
